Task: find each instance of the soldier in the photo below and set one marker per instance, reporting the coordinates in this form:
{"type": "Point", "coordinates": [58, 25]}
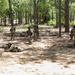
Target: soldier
{"type": "Point", "coordinates": [12, 48]}
{"type": "Point", "coordinates": [29, 35]}
{"type": "Point", "coordinates": [72, 35]}
{"type": "Point", "coordinates": [7, 47]}
{"type": "Point", "coordinates": [12, 30]}
{"type": "Point", "coordinates": [36, 32]}
{"type": "Point", "coordinates": [29, 32]}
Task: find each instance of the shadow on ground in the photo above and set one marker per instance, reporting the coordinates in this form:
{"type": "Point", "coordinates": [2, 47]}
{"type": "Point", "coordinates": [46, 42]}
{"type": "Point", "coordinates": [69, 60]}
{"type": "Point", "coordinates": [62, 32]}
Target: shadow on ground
{"type": "Point", "coordinates": [61, 55]}
{"type": "Point", "coordinates": [54, 53]}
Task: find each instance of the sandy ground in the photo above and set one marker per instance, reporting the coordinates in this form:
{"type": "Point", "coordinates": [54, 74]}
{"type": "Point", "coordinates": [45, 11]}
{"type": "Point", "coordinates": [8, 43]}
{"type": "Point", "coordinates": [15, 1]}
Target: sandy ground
{"type": "Point", "coordinates": [42, 57]}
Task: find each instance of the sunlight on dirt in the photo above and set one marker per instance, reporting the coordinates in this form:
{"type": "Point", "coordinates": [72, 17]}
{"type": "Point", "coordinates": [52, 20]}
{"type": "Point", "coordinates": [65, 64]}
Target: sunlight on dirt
{"type": "Point", "coordinates": [45, 68]}
{"type": "Point", "coordinates": [39, 44]}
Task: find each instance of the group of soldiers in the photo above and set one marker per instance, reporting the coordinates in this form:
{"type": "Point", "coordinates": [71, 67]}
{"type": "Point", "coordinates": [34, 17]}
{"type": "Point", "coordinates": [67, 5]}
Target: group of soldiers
{"type": "Point", "coordinates": [28, 34]}
{"type": "Point", "coordinates": [11, 48]}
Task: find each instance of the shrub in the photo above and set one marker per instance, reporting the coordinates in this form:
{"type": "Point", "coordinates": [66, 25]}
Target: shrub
{"type": "Point", "coordinates": [52, 23]}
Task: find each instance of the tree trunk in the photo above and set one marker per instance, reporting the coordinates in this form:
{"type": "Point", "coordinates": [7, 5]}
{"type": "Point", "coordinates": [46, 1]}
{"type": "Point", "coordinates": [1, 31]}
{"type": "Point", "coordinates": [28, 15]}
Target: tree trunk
{"type": "Point", "coordinates": [66, 15]}
{"type": "Point", "coordinates": [57, 14]}
{"type": "Point", "coordinates": [59, 18]}
{"type": "Point", "coordinates": [1, 21]}
{"type": "Point", "coordinates": [30, 14]}
{"type": "Point", "coordinates": [40, 18]}
{"type": "Point", "coordinates": [36, 29]}
{"type": "Point", "coordinates": [16, 18]}
{"type": "Point", "coordinates": [11, 18]}
{"type": "Point", "coordinates": [52, 15]}
{"type": "Point", "coordinates": [30, 18]}
{"type": "Point", "coordinates": [19, 18]}
{"type": "Point", "coordinates": [4, 20]}
{"type": "Point", "coordinates": [26, 18]}
{"type": "Point", "coordinates": [37, 14]}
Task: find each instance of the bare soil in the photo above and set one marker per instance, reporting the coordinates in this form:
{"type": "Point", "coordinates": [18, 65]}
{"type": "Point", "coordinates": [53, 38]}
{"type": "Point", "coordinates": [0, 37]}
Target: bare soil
{"type": "Point", "coordinates": [46, 56]}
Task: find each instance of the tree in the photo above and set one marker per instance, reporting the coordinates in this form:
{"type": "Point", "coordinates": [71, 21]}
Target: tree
{"type": "Point", "coordinates": [19, 7]}
{"type": "Point", "coordinates": [11, 18]}
{"type": "Point", "coordinates": [59, 18]}
{"type": "Point", "coordinates": [36, 30]}
{"type": "Point", "coordinates": [57, 15]}
{"type": "Point", "coordinates": [66, 15]}
{"type": "Point", "coordinates": [3, 6]}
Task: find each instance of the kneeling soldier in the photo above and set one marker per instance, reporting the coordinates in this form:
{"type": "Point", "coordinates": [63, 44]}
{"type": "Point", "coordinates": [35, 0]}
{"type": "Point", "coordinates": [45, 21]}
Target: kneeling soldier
{"type": "Point", "coordinates": [72, 35]}
{"type": "Point", "coordinates": [29, 35]}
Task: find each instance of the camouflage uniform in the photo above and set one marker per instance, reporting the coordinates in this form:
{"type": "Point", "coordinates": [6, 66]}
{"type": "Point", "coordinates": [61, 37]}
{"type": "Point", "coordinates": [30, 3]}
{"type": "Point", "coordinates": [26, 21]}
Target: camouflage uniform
{"type": "Point", "coordinates": [29, 35]}
{"type": "Point", "coordinates": [72, 35]}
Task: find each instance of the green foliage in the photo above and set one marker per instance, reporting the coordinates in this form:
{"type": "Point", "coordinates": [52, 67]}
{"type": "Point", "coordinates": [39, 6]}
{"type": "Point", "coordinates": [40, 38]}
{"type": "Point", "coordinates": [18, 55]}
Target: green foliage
{"type": "Point", "coordinates": [29, 25]}
{"type": "Point", "coordinates": [45, 9]}
{"type": "Point", "coordinates": [3, 6]}
{"type": "Point", "coordinates": [72, 23]}
{"type": "Point", "coordinates": [53, 23]}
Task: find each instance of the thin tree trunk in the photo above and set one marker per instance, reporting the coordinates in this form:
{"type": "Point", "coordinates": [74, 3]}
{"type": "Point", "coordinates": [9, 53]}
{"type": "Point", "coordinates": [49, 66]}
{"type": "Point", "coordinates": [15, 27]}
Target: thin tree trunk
{"type": "Point", "coordinates": [25, 17]}
{"type": "Point", "coordinates": [1, 21]}
{"type": "Point", "coordinates": [66, 15]}
{"type": "Point", "coordinates": [37, 14]}
{"type": "Point", "coordinates": [52, 15]}
{"type": "Point", "coordinates": [16, 18]}
{"type": "Point", "coordinates": [19, 18]}
{"type": "Point", "coordinates": [40, 18]}
{"type": "Point", "coordinates": [36, 30]}
{"type": "Point", "coordinates": [59, 18]}
{"type": "Point", "coordinates": [4, 20]}
{"type": "Point", "coordinates": [30, 11]}
{"type": "Point", "coordinates": [30, 18]}
{"type": "Point", "coordinates": [11, 18]}
{"type": "Point", "coordinates": [57, 15]}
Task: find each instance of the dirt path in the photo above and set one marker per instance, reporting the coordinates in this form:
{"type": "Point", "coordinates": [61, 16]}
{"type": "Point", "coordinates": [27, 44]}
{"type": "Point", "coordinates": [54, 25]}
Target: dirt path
{"type": "Point", "coordinates": [42, 57]}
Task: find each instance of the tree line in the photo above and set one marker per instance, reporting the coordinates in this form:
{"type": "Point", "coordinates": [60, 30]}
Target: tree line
{"type": "Point", "coordinates": [52, 12]}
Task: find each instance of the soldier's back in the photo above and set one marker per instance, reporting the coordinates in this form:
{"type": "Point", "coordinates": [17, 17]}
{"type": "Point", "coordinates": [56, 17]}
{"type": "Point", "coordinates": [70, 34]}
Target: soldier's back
{"type": "Point", "coordinates": [73, 31]}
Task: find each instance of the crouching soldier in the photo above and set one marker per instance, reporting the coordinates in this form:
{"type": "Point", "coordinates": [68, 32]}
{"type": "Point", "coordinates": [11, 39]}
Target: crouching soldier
{"type": "Point", "coordinates": [12, 30]}
{"type": "Point", "coordinates": [29, 35]}
{"type": "Point", "coordinates": [72, 35]}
